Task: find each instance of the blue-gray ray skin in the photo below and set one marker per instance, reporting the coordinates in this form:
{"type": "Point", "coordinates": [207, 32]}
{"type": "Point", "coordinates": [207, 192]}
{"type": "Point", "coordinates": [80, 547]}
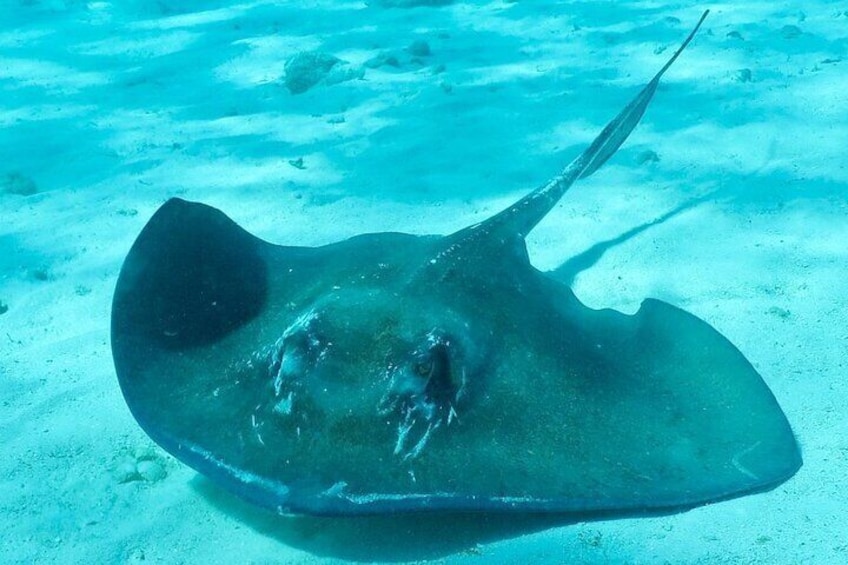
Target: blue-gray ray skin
{"type": "Point", "coordinates": [401, 373]}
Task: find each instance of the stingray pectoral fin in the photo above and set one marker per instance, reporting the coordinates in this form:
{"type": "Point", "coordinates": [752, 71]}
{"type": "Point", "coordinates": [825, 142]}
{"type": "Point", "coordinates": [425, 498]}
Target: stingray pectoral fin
{"type": "Point", "coordinates": [689, 420]}
{"type": "Point", "coordinates": [198, 303]}
{"type": "Point", "coordinates": [191, 279]}
{"type": "Point", "coordinates": [751, 447]}
{"type": "Point", "coordinates": [196, 297]}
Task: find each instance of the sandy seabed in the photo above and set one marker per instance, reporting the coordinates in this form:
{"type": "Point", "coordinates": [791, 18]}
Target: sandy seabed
{"type": "Point", "coordinates": [729, 201]}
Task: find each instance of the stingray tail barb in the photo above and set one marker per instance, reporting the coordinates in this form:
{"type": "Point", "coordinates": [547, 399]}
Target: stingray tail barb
{"type": "Point", "coordinates": [523, 216]}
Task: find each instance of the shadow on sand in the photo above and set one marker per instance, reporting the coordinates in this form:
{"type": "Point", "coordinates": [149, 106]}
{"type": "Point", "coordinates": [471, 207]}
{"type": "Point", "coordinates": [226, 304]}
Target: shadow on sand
{"type": "Point", "coordinates": [568, 271]}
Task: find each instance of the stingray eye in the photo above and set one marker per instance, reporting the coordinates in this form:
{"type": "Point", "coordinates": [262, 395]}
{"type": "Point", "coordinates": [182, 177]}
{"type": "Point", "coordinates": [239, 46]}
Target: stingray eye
{"type": "Point", "coordinates": [440, 387]}
{"type": "Point", "coordinates": [430, 367]}
{"type": "Point", "coordinates": [296, 352]}
{"type": "Point", "coordinates": [423, 393]}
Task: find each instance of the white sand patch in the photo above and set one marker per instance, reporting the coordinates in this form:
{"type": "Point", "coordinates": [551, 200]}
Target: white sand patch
{"type": "Point", "coordinates": [155, 45]}
{"type": "Point", "coordinates": [51, 76]}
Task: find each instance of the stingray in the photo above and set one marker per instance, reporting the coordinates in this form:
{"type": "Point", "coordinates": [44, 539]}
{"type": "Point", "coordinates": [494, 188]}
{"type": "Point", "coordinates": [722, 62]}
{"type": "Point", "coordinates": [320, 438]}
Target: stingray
{"type": "Point", "coordinates": [392, 372]}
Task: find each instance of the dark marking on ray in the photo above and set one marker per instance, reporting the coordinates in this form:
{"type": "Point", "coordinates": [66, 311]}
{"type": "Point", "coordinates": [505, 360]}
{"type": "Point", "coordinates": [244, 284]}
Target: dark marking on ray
{"type": "Point", "coordinates": [400, 373]}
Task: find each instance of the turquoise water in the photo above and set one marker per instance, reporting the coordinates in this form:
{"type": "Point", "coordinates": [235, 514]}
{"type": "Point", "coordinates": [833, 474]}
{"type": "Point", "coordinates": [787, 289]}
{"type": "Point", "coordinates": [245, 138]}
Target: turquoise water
{"type": "Point", "coordinates": [727, 201]}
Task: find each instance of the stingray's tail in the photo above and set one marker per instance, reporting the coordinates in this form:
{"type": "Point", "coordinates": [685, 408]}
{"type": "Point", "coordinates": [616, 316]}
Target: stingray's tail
{"type": "Point", "coordinates": [523, 216]}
